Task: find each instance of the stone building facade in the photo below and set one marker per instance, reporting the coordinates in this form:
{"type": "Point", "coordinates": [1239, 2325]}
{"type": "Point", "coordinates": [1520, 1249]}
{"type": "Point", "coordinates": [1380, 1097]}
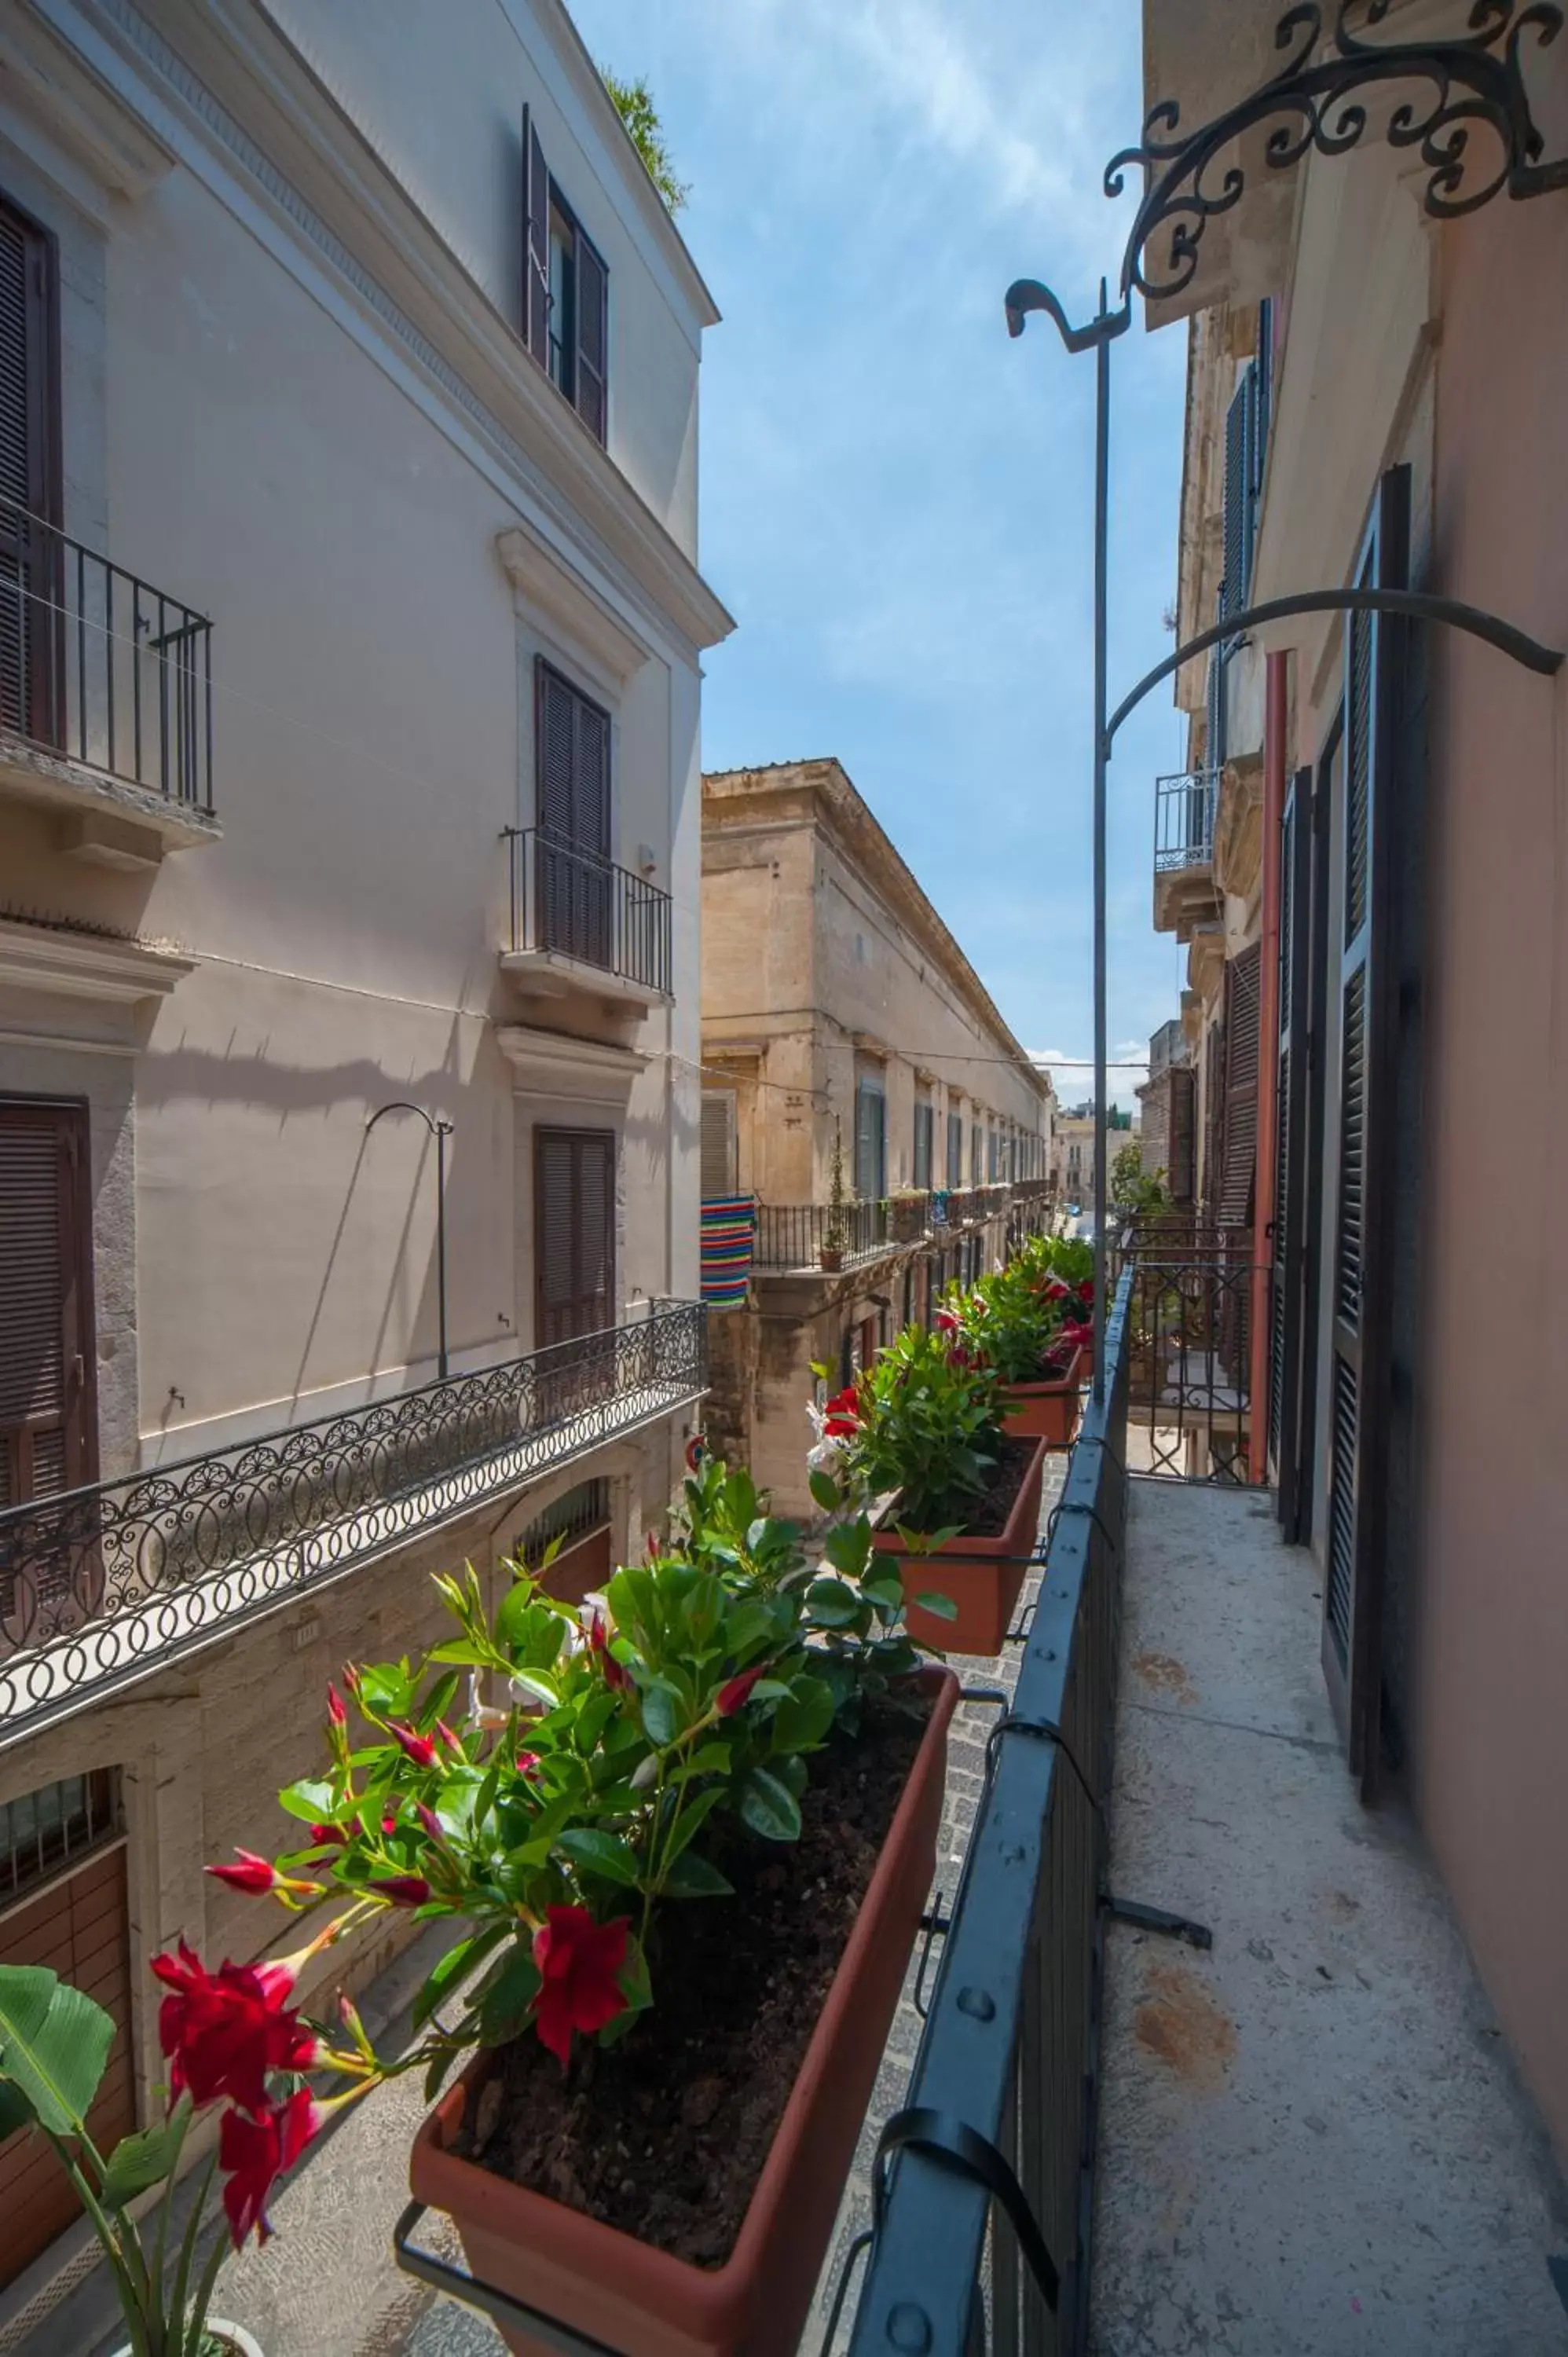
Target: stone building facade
{"type": "Point", "coordinates": [350, 639]}
{"type": "Point", "coordinates": [839, 1011]}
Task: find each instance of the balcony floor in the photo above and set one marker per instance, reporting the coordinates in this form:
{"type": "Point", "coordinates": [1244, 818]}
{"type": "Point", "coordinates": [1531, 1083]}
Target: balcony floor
{"type": "Point", "coordinates": [1311, 2140]}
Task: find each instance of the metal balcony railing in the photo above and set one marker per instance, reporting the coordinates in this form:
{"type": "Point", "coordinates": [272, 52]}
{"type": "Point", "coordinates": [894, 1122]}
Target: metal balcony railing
{"type": "Point", "coordinates": [981, 2180]}
{"type": "Point", "coordinates": [98, 665]}
{"type": "Point", "coordinates": [792, 1235]}
{"type": "Point", "coordinates": [1184, 820]}
{"type": "Point", "coordinates": [573, 903]}
{"type": "Point", "coordinates": [1189, 1328]}
{"type": "Point", "coordinates": [101, 1585]}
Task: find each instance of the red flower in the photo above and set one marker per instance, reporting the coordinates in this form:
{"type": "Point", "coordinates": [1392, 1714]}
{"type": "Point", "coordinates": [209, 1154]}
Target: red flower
{"type": "Point", "coordinates": [223, 2031]}
{"type": "Point", "coordinates": [431, 1822]}
{"type": "Point", "coordinates": [615, 1673]}
{"type": "Point", "coordinates": [327, 1837]}
{"type": "Point", "coordinates": [254, 1875]}
{"type": "Point", "coordinates": [946, 1322]}
{"type": "Point", "coordinates": [1086, 1290]}
{"type": "Point", "coordinates": [253, 2155]}
{"type": "Point", "coordinates": [335, 1709]}
{"type": "Point", "coordinates": [733, 1693]}
{"type": "Point", "coordinates": [528, 1763]}
{"type": "Point", "coordinates": [402, 1889]}
{"type": "Point", "coordinates": [1056, 1290]}
{"type": "Point", "coordinates": [841, 1416]}
{"type": "Point", "coordinates": [453, 1742]}
{"type": "Point", "coordinates": [419, 1748]}
{"type": "Point", "coordinates": [581, 1962]}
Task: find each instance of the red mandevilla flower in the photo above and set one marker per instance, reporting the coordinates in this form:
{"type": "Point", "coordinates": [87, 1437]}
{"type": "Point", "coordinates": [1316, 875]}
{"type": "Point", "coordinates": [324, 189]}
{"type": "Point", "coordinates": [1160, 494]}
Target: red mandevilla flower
{"type": "Point", "coordinates": [731, 1695]}
{"type": "Point", "coordinates": [255, 2153]}
{"type": "Point", "coordinates": [418, 1748]}
{"type": "Point", "coordinates": [614, 1673]}
{"type": "Point", "coordinates": [335, 1709]}
{"type": "Point", "coordinates": [1056, 1290]}
{"type": "Point", "coordinates": [402, 1889]}
{"type": "Point", "coordinates": [527, 1764]}
{"type": "Point", "coordinates": [221, 2032]}
{"type": "Point", "coordinates": [255, 1876]}
{"type": "Point", "coordinates": [1086, 1290]}
{"type": "Point", "coordinates": [327, 1837]}
{"type": "Point", "coordinates": [581, 1962]}
{"type": "Point", "coordinates": [841, 1416]}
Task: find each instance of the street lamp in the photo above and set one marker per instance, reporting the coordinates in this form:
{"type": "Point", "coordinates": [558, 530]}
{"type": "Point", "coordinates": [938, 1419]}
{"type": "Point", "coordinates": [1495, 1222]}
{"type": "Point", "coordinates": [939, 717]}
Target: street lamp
{"type": "Point", "coordinates": [440, 1130]}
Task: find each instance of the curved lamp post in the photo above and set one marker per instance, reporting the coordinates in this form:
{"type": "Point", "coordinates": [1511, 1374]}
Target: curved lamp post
{"type": "Point", "coordinates": [440, 1130]}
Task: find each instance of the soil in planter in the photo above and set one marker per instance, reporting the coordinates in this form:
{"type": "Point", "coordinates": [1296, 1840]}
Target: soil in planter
{"type": "Point", "coordinates": [665, 2135]}
{"type": "Point", "coordinates": [987, 1518]}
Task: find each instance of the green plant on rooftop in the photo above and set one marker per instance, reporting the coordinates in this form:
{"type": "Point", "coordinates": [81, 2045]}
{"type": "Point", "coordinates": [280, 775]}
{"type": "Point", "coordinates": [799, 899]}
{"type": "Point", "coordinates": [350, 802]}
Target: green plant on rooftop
{"type": "Point", "coordinates": [634, 105]}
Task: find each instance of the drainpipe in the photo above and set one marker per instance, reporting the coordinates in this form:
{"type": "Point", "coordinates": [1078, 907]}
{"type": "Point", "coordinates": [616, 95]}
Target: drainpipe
{"type": "Point", "coordinates": [1274, 714]}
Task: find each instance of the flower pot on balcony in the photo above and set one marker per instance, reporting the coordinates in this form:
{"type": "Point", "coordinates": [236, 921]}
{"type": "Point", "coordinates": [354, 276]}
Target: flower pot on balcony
{"type": "Point", "coordinates": [1046, 1411]}
{"type": "Point", "coordinates": [982, 1576]}
{"type": "Point", "coordinates": [629, 2294]}
{"type": "Point", "coordinates": [907, 1217]}
{"type": "Point", "coordinates": [830, 1257]}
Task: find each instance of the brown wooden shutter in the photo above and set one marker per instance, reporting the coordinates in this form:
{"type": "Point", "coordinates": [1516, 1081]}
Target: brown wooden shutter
{"type": "Point", "coordinates": [593, 338]}
{"type": "Point", "coordinates": [30, 624]}
{"type": "Point", "coordinates": [535, 244]}
{"type": "Point", "coordinates": [47, 1435]}
{"type": "Point", "coordinates": [77, 1927]}
{"type": "Point", "coordinates": [718, 1145]}
{"type": "Point", "coordinates": [1213, 1116]}
{"type": "Point", "coordinates": [1181, 1137]}
{"type": "Point", "coordinates": [573, 1176]}
{"type": "Point", "coordinates": [1239, 1151]}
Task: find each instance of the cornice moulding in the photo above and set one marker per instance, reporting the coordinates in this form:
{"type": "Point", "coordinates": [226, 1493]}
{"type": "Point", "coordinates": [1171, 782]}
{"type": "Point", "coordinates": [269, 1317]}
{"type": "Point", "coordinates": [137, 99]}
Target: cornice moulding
{"type": "Point", "coordinates": [86, 965]}
{"type": "Point", "coordinates": [551, 589]}
{"type": "Point", "coordinates": [80, 110]}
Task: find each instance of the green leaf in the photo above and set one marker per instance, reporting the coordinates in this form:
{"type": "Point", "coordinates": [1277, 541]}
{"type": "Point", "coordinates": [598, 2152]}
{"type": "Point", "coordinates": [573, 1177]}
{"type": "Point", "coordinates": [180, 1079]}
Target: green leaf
{"type": "Point", "coordinates": [833, 1604]}
{"type": "Point", "coordinates": [940, 1607]}
{"type": "Point", "coordinates": [438, 1702]}
{"type": "Point", "coordinates": [462, 1651]}
{"type": "Point", "coordinates": [505, 2007]}
{"type": "Point", "coordinates": [54, 2043]}
{"type": "Point", "coordinates": [824, 1490]}
{"type": "Point", "coordinates": [769, 1807]}
{"type": "Point", "coordinates": [691, 1823]}
{"type": "Point", "coordinates": [661, 1712]}
{"type": "Point", "coordinates": [312, 1802]}
{"type": "Point", "coordinates": [848, 1549]}
{"type": "Point", "coordinates": [440, 2071]}
{"type": "Point", "coordinates": [603, 1854]}
{"type": "Point", "coordinates": [691, 1876]}
{"type": "Point", "coordinates": [804, 1718]}
{"type": "Point", "coordinates": [456, 1965]}
{"type": "Point", "coordinates": [144, 2157]}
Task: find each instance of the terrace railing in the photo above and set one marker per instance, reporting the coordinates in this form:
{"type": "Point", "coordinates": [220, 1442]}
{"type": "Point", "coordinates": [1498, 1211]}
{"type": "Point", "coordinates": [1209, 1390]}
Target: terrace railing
{"type": "Point", "coordinates": [572, 901]}
{"type": "Point", "coordinates": [791, 1236]}
{"type": "Point", "coordinates": [982, 2209]}
{"type": "Point", "coordinates": [101, 666]}
{"type": "Point", "coordinates": [1188, 1347]}
{"type": "Point", "coordinates": [1184, 820]}
{"type": "Point", "coordinates": [101, 1585]}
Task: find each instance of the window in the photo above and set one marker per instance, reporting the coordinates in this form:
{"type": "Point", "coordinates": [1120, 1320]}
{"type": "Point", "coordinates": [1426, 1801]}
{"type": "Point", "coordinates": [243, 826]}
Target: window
{"type": "Point", "coordinates": [955, 1149]}
{"type": "Point", "coordinates": [573, 902]}
{"type": "Point", "coordinates": [46, 1830]}
{"type": "Point", "coordinates": [924, 1132]}
{"type": "Point", "coordinates": [718, 1143]}
{"type": "Point", "coordinates": [30, 654]}
{"type": "Point", "coordinates": [574, 1227]}
{"type": "Point", "coordinates": [48, 1426]}
{"type": "Point", "coordinates": [975, 1153]}
{"type": "Point", "coordinates": [565, 295]}
{"type": "Point", "coordinates": [578, 1511]}
{"type": "Point", "coordinates": [870, 1140]}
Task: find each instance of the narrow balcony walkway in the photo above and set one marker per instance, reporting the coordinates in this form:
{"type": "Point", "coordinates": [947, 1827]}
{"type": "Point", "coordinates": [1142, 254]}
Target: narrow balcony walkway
{"type": "Point", "coordinates": [1311, 2140]}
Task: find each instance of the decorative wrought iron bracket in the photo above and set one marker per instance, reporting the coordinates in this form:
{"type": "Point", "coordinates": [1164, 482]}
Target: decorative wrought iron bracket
{"type": "Point", "coordinates": [1472, 81]}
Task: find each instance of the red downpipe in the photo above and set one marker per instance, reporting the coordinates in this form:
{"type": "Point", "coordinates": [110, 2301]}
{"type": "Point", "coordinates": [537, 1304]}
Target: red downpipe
{"type": "Point", "coordinates": [1274, 718]}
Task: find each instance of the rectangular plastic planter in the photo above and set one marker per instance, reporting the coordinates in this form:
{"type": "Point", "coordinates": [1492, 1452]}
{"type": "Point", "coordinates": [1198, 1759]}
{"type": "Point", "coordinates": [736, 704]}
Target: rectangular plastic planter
{"type": "Point", "coordinates": [1046, 1411]}
{"type": "Point", "coordinates": [982, 1577]}
{"type": "Point", "coordinates": [617, 2290]}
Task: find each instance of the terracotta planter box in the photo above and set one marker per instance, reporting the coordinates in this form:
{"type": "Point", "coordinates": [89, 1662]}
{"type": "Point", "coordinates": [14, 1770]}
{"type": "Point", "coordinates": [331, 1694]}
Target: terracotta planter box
{"type": "Point", "coordinates": [612, 2288]}
{"type": "Point", "coordinates": [982, 1577]}
{"type": "Point", "coordinates": [906, 1219]}
{"type": "Point", "coordinates": [1046, 1411]}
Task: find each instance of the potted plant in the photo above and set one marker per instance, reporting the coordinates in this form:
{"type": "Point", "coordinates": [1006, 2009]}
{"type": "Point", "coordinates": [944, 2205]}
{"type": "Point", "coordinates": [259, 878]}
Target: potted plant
{"type": "Point", "coordinates": [232, 2039]}
{"type": "Point", "coordinates": [965, 1496]}
{"type": "Point", "coordinates": [1032, 1329]}
{"type": "Point", "coordinates": [684, 1853]}
{"type": "Point", "coordinates": [906, 1215]}
{"type": "Point", "coordinates": [835, 1228]}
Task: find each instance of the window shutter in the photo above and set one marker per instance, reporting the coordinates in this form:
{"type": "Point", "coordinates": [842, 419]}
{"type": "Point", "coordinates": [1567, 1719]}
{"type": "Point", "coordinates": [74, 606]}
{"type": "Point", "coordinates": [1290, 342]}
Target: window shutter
{"type": "Point", "coordinates": [29, 441]}
{"type": "Point", "coordinates": [924, 1121]}
{"type": "Point", "coordinates": [554, 751]}
{"type": "Point", "coordinates": [573, 1173]}
{"type": "Point", "coordinates": [718, 1143]}
{"type": "Point", "coordinates": [1240, 420]}
{"type": "Point", "coordinates": [955, 1149]}
{"type": "Point", "coordinates": [1213, 1113]}
{"type": "Point", "coordinates": [1239, 1150]}
{"type": "Point", "coordinates": [591, 777]}
{"type": "Point", "coordinates": [46, 1339]}
{"type": "Point", "coordinates": [593, 338]}
{"type": "Point", "coordinates": [597, 1229]}
{"type": "Point", "coordinates": [535, 244]}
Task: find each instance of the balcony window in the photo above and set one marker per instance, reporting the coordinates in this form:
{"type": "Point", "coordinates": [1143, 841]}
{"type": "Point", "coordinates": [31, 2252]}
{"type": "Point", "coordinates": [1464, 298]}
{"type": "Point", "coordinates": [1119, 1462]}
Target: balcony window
{"type": "Point", "coordinates": [870, 1139]}
{"type": "Point", "coordinates": [924, 1132]}
{"type": "Point", "coordinates": [565, 304]}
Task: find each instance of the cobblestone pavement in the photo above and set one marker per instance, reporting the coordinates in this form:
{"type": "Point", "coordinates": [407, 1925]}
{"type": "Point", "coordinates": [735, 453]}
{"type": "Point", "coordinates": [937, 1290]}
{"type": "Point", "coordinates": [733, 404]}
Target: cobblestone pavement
{"type": "Point", "coordinates": [327, 2285]}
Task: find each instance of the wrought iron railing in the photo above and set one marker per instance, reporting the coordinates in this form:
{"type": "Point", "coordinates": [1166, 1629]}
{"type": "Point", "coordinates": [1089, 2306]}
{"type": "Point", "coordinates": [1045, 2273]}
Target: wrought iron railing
{"type": "Point", "coordinates": [1188, 1346]}
{"type": "Point", "coordinates": [981, 2209]}
{"type": "Point", "coordinates": [1184, 820]}
{"type": "Point", "coordinates": [97, 664]}
{"type": "Point", "coordinates": [794, 1236]}
{"type": "Point", "coordinates": [101, 1584]}
{"type": "Point", "coordinates": [577, 904]}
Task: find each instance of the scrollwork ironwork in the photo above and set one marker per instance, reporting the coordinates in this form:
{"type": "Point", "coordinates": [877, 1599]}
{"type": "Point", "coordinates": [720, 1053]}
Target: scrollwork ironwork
{"type": "Point", "coordinates": [1473, 82]}
{"type": "Point", "coordinates": [98, 1581]}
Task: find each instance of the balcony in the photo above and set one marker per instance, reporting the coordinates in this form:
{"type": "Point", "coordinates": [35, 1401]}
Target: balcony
{"type": "Point", "coordinates": [1184, 850]}
{"type": "Point", "coordinates": [791, 1236]}
{"type": "Point", "coordinates": [105, 700]}
{"type": "Point", "coordinates": [579, 923]}
{"type": "Point", "coordinates": [106, 1585]}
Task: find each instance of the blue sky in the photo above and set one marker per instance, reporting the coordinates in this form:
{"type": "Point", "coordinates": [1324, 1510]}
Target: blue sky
{"type": "Point", "coordinates": [897, 500]}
